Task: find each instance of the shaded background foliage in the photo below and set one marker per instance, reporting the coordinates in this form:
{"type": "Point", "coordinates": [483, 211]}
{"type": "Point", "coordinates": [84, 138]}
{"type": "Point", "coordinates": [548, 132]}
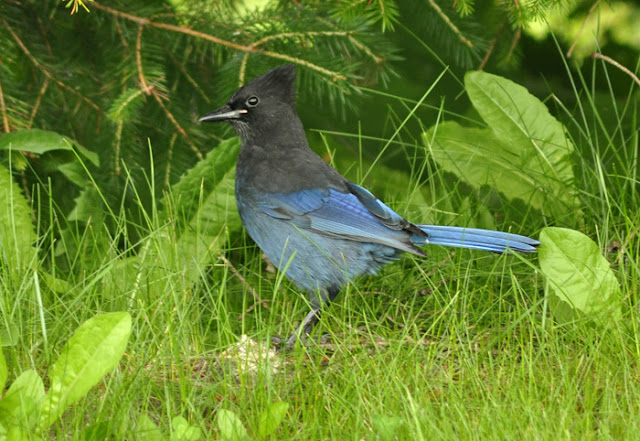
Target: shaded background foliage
{"type": "Point", "coordinates": [128, 80]}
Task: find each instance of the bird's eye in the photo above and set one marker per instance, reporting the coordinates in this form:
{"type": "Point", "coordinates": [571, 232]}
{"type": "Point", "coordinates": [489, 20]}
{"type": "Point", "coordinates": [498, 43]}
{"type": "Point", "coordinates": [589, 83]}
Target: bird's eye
{"type": "Point", "coordinates": [253, 101]}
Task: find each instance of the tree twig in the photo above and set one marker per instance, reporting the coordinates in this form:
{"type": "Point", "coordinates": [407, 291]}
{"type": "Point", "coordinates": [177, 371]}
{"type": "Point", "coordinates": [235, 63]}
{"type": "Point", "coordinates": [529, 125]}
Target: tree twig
{"type": "Point", "coordinates": [143, 82]}
{"type": "Point", "coordinates": [616, 64]}
{"type": "Point", "coordinates": [36, 106]}
{"type": "Point", "coordinates": [451, 25]}
{"type": "Point", "coordinates": [491, 46]}
{"type": "Point", "coordinates": [242, 280]}
{"type": "Point", "coordinates": [3, 109]}
{"type": "Point", "coordinates": [514, 43]}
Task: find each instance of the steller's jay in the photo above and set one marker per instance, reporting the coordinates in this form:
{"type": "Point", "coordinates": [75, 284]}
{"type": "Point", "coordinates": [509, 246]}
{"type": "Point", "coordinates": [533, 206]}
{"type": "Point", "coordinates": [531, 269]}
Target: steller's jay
{"type": "Point", "coordinates": [309, 220]}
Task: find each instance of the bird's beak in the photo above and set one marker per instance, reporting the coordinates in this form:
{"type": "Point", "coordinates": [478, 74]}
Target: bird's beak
{"type": "Point", "coordinates": [223, 114]}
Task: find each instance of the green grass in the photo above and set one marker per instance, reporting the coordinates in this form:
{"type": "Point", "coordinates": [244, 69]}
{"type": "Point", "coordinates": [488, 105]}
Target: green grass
{"type": "Point", "coordinates": [458, 346]}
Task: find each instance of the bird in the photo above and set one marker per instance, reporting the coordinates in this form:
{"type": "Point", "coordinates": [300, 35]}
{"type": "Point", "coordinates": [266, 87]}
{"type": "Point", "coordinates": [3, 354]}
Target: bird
{"type": "Point", "coordinates": [312, 223]}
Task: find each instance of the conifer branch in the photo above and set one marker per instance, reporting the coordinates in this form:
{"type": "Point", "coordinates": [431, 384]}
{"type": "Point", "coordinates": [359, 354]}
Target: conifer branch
{"type": "Point", "coordinates": [336, 76]}
{"type": "Point", "coordinates": [519, 12]}
{"type": "Point", "coordinates": [358, 44]}
{"type": "Point", "coordinates": [189, 78]}
{"type": "Point", "coordinates": [243, 69]}
{"type": "Point", "coordinates": [451, 25]}
{"type": "Point", "coordinates": [366, 50]}
{"type": "Point", "coordinates": [300, 35]}
{"type": "Point", "coordinates": [143, 82]}
{"type": "Point", "coordinates": [44, 71]}
{"type": "Point", "coordinates": [348, 34]}
{"type": "Point", "coordinates": [153, 91]}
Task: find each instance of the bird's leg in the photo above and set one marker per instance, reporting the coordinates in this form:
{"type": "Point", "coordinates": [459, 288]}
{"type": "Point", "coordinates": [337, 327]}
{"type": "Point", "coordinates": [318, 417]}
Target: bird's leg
{"type": "Point", "coordinates": [304, 329]}
{"type": "Point", "coordinates": [301, 333]}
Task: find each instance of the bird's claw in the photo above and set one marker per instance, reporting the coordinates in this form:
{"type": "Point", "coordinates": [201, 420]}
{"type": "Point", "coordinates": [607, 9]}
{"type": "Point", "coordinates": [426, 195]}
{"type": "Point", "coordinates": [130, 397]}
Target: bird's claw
{"type": "Point", "coordinates": [282, 345]}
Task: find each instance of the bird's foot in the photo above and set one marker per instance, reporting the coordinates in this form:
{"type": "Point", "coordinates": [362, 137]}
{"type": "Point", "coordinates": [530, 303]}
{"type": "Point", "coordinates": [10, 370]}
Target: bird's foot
{"type": "Point", "coordinates": [278, 343]}
{"type": "Point", "coordinates": [286, 345]}
{"type": "Point", "coordinates": [304, 341]}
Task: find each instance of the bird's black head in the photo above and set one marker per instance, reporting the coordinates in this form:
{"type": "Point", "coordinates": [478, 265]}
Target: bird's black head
{"type": "Point", "coordinates": [259, 104]}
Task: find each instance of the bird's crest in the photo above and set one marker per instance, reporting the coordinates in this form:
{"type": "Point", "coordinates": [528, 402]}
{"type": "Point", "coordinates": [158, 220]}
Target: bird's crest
{"type": "Point", "coordinates": [279, 80]}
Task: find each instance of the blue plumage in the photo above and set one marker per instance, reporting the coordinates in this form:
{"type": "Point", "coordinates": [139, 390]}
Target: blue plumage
{"type": "Point", "coordinates": [307, 218]}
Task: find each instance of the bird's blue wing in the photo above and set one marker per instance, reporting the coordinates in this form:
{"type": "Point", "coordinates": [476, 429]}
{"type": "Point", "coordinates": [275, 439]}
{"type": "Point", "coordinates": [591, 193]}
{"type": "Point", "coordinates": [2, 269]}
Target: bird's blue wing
{"type": "Point", "coordinates": [362, 217]}
{"type": "Point", "coordinates": [353, 216]}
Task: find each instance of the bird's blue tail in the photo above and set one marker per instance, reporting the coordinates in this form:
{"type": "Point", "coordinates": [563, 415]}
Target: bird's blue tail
{"type": "Point", "coordinates": [475, 238]}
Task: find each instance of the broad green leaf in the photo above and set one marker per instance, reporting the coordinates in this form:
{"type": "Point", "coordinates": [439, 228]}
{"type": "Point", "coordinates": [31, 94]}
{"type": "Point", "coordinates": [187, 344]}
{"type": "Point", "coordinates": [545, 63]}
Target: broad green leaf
{"type": "Point", "coordinates": [147, 430]}
{"type": "Point", "coordinates": [74, 172]}
{"type": "Point", "coordinates": [482, 216]}
{"type": "Point", "coordinates": [93, 351]}
{"type": "Point", "coordinates": [230, 426]}
{"type": "Point", "coordinates": [533, 137]}
{"type": "Point", "coordinates": [18, 433]}
{"type": "Point", "coordinates": [17, 234]}
{"type": "Point", "coordinates": [271, 418]}
{"type": "Point", "coordinates": [578, 273]}
{"type": "Point", "coordinates": [123, 273]}
{"type": "Point", "coordinates": [22, 402]}
{"type": "Point", "coordinates": [42, 141]}
{"type": "Point", "coordinates": [478, 157]}
{"type": "Point", "coordinates": [56, 284]}
{"type": "Point", "coordinates": [183, 431]}
{"type": "Point", "coordinates": [523, 153]}
{"type": "Point", "coordinates": [85, 206]}
{"type": "Point", "coordinates": [205, 195]}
